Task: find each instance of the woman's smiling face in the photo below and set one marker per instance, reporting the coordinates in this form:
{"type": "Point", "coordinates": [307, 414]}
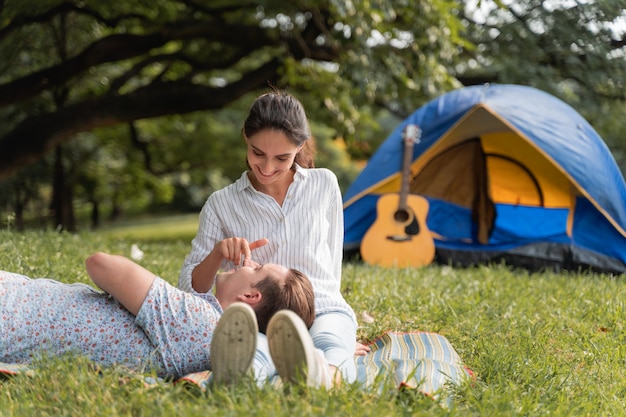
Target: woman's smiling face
{"type": "Point", "coordinates": [270, 156]}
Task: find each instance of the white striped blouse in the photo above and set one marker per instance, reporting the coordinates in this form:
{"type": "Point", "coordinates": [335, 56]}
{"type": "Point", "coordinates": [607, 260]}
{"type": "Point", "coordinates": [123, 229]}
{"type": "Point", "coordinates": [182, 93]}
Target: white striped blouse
{"type": "Point", "coordinates": [306, 233]}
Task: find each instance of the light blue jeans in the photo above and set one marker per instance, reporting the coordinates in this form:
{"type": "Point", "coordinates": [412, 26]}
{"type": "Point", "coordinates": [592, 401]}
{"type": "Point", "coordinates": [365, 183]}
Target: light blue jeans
{"type": "Point", "coordinates": [333, 333]}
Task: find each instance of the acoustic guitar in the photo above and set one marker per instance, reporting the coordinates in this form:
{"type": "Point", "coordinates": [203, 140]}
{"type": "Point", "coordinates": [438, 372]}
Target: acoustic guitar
{"type": "Point", "coordinates": [399, 235]}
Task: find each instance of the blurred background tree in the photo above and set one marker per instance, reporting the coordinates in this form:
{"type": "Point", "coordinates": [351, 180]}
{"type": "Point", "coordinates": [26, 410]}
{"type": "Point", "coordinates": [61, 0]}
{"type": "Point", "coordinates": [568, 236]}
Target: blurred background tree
{"type": "Point", "coordinates": [115, 109]}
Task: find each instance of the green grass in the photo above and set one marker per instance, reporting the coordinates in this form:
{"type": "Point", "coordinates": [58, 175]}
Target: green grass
{"type": "Point", "coordinates": [539, 344]}
{"type": "Point", "coordinates": [182, 227]}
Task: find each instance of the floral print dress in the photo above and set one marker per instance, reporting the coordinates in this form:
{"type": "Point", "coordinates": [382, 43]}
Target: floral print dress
{"type": "Point", "coordinates": [171, 334]}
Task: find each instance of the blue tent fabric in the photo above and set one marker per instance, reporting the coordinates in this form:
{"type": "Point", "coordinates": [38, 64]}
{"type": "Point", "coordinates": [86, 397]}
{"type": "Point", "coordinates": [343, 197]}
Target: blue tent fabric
{"type": "Point", "coordinates": [556, 129]}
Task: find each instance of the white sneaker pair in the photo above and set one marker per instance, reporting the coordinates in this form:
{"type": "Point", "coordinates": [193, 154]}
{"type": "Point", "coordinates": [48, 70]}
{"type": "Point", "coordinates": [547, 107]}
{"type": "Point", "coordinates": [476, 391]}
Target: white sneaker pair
{"type": "Point", "coordinates": [234, 344]}
{"type": "Point", "coordinates": [293, 353]}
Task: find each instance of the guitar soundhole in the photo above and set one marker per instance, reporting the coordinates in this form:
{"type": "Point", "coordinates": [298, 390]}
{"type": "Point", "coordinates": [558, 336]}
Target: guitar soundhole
{"type": "Point", "coordinates": [401, 216]}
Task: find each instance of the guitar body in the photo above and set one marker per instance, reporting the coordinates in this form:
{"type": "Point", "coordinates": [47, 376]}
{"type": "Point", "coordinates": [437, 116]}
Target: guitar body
{"type": "Point", "coordinates": [399, 236]}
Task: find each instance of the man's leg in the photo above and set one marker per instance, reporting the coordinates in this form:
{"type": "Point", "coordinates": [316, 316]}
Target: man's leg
{"type": "Point", "coordinates": [234, 343]}
{"type": "Point", "coordinates": [335, 334]}
{"type": "Point", "coordinates": [293, 353]}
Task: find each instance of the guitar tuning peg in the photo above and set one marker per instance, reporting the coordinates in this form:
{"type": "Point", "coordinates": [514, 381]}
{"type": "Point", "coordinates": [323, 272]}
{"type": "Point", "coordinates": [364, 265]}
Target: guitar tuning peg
{"type": "Point", "coordinates": [412, 132]}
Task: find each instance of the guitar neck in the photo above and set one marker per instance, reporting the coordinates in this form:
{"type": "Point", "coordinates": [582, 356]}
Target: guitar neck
{"type": "Point", "coordinates": [411, 134]}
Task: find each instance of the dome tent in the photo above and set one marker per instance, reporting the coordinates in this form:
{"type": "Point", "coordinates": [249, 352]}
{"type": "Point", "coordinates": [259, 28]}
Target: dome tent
{"type": "Point", "coordinates": [510, 173]}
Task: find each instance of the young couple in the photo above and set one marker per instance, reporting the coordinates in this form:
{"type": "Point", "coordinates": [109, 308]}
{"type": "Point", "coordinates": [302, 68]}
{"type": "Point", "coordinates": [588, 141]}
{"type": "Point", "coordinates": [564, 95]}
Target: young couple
{"type": "Point", "coordinates": [288, 213]}
{"type": "Point", "coordinates": [291, 214]}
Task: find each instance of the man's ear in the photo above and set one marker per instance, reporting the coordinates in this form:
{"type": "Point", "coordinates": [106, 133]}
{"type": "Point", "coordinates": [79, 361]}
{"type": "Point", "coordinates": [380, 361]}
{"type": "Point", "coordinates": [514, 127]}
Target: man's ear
{"type": "Point", "coordinates": [252, 297]}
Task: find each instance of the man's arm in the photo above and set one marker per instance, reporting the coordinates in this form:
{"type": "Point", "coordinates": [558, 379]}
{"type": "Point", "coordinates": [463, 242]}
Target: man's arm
{"type": "Point", "coordinates": [125, 280]}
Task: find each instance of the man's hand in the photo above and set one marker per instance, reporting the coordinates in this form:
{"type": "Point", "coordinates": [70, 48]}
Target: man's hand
{"type": "Point", "coordinates": [361, 349]}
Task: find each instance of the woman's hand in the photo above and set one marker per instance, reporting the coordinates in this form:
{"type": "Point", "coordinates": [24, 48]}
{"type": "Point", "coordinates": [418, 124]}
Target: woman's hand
{"type": "Point", "coordinates": [236, 248]}
{"type": "Point", "coordinates": [232, 249]}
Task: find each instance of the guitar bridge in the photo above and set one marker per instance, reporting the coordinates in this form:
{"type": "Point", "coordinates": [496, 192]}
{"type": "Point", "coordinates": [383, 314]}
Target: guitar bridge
{"type": "Point", "coordinates": [398, 238]}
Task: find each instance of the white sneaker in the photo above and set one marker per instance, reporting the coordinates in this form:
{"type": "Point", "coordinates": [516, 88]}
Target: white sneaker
{"type": "Point", "coordinates": [293, 353]}
{"type": "Point", "coordinates": [234, 343]}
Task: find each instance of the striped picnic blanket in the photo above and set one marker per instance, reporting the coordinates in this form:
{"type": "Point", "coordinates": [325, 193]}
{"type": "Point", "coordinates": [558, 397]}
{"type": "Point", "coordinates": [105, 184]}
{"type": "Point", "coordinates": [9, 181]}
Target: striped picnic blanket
{"type": "Point", "coordinates": [420, 360]}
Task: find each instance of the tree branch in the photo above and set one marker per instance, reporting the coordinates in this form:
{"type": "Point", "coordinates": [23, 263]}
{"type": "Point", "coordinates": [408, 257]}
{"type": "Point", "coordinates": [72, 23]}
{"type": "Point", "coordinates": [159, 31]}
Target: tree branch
{"type": "Point", "coordinates": [35, 136]}
{"type": "Point", "coordinates": [124, 46]}
{"type": "Point", "coordinates": [61, 9]}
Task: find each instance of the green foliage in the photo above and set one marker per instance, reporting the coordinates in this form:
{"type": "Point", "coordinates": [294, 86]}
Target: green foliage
{"type": "Point", "coordinates": [332, 154]}
{"type": "Point", "coordinates": [183, 73]}
{"type": "Point", "coordinates": [538, 344]}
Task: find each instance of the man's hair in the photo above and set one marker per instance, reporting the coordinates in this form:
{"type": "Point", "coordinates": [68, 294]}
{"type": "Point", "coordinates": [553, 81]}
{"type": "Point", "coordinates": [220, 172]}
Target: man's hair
{"type": "Point", "coordinates": [295, 294]}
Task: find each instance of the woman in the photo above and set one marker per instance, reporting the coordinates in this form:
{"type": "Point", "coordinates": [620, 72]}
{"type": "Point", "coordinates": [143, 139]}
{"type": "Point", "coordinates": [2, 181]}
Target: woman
{"type": "Point", "coordinates": [291, 213]}
{"type": "Point", "coordinates": [145, 323]}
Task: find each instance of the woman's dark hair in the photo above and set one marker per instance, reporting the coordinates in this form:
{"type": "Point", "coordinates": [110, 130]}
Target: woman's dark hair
{"type": "Point", "coordinates": [281, 111]}
{"type": "Point", "coordinates": [295, 294]}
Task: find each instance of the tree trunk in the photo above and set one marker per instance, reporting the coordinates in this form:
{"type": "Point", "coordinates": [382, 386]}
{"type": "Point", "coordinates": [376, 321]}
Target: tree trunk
{"type": "Point", "coordinates": [19, 216]}
{"type": "Point", "coordinates": [62, 208]}
{"type": "Point", "coordinates": [95, 214]}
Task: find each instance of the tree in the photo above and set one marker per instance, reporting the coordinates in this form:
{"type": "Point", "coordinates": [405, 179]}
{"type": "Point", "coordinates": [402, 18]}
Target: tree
{"type": "Point", "coordinates": [79, 76]}
{"type": "Point", "coordinates": [73, 66]}
{"type": "Point", "coordinates": [549, 43]}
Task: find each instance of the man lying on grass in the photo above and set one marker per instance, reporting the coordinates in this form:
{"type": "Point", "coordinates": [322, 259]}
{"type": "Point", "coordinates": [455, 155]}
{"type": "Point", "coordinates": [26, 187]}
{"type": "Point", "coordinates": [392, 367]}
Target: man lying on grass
{"type": "Point", "coordinates": [146, 324]}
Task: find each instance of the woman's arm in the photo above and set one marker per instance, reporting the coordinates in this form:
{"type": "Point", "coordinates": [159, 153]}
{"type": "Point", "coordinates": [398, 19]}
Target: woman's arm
{"type": "Point", "coordinates": [210, 232]}
{"type": "Point", "coordinates": [125, 280]}
{"type": "Point", "coordinates": [203, 275]}
{"type": "Point", "coordinates": [335, 221]}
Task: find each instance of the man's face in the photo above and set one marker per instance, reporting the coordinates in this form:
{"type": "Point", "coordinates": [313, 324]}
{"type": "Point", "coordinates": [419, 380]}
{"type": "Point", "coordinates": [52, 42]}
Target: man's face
{"type": "Point", "coordinates": [240, 282]}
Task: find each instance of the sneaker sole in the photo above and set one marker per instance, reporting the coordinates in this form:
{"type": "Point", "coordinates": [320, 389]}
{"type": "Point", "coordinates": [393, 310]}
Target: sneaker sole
{"type": "Point", "coordinates": [290, 347]}
{"type": "Point", "coordinates": [234, 344]}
